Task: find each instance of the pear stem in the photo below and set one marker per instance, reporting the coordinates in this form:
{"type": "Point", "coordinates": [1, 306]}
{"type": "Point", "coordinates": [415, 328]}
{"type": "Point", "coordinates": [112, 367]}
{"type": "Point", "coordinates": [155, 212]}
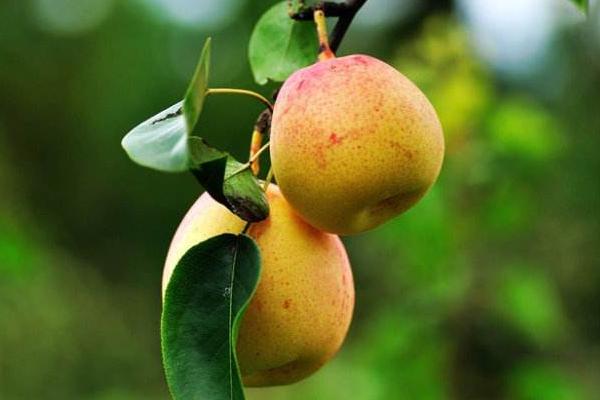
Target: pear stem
{"type": "Point", "coordinates": [260, 128]}
{"type": "Point", "coordinates": [244, 92]}
{"type": "Point", "coordinates": [325, 52]}
{"type": "Point", "coordinates": [345, 12]}
{"type": "Point", "coordinates": [255, 143]}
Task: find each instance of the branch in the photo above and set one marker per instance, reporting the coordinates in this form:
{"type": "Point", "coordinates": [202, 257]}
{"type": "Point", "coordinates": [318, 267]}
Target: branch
{"type": "Point", "coordinates": [340, 28]}
{"type": "Point", "coordinates": [330, 8]}
{"type": "Point", "coordinates": [263, 122]}
{"type": "Point", "coordinates": [344, 11]}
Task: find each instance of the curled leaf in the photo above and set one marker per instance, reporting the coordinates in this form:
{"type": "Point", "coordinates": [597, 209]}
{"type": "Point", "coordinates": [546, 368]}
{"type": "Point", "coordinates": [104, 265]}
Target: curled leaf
{"type": "Point", "coordinates": [160, 142]}
{"type": "Point", "coordinates": [228, 181]}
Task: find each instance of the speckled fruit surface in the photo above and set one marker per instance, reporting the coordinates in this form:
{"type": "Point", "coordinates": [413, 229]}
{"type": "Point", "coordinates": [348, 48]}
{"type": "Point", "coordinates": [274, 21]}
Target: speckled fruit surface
{"type": "Point", "coordinates": [302, 308]}
{"type": "Point", "coordinates": [353, 143]}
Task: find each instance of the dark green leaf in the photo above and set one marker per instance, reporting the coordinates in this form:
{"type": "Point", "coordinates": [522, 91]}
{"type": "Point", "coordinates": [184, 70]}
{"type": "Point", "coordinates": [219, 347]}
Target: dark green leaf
{"type": "Point", "coordinates": [161, 142]}
{"type": "Point", "coordinates": [204, 302]}
{"type": "Point", "coordinates": [201, 152]}
{"type": "Point", "coordinates": [228, 182]}
{"type": "Point", "coordinates": [279, 45]}
{"type": "Point", "coordinates": [245, 196]}
{"type": "Point", "coordinates": [194, 97]}
{"type": "Point", "coordinates": [582, 4]}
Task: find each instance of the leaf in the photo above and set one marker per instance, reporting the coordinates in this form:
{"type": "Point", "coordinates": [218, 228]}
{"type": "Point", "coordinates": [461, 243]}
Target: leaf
{"type": "Point", "coordinates": [161, 142]}
{"type": "Point", "coordinates": [582, 4]}
{"type": "Point", "coordinates": [194, 97]}
{"type": "Point", "coordinates": [164, 142]}
{"type": "Point", "coordinates": [280, 45]}
{"type": "Point", "coordinates": [244, 194]}
{"type": "Point", "coordinates": [205, 300]}
{"type": "Point", "coordinates": [225, 179]}
{"type": "Point", "coordinates": [526, 297]}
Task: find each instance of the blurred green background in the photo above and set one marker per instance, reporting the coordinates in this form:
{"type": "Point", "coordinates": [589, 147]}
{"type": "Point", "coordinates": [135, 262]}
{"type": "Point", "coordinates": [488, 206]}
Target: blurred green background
{"type": "Point", "coordinates": [488, 289]}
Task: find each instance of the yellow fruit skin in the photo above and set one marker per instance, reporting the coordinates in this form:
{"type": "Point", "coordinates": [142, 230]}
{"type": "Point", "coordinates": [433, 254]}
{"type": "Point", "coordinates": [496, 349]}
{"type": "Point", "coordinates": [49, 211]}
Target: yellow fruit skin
{"type": "Point", "coordinates": [302, 308]}
{"type": "Point", "coordinates": [353, 143]}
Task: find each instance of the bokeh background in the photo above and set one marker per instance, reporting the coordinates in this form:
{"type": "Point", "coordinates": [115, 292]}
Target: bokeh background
{"type": "Point", "coordinates": [488, 289]}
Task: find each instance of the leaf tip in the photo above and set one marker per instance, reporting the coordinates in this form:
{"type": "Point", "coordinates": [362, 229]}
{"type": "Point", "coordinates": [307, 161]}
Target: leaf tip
{"type": "Point", "coordinates": [261, 80]}
{"type": "Point", "coordinates": [194, 97]}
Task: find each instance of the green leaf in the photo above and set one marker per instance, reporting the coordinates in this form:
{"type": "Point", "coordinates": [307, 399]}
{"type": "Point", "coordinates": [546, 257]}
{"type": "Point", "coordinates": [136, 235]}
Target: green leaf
{"type": "Point", "coordinates": [541, 379]}
{"type": "Point", "coordinates": [582, 4]}
{"type": "Point", "coordinates": [228, 182]}
{"type": "Point", "coordinates": [526, 297]}
{"type": "Point", "coordinates": [205, 299]}
{"type": "Point", "coordinates": [164, 142]}
{"type": "Point", "coordinates": [243, 192]}
{"type": "Point", "coordinates": [194, 97]}
{"type": "Point", "coordinates": [161, 142]}
{"type": "Point", "coordinates": [279, 45]}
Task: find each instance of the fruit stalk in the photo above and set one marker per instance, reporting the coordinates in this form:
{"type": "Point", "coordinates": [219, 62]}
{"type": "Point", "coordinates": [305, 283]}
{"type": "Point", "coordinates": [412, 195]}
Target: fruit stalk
{"type": "Point", "coordinates": [260, 128]}
{"type": "Point", "coordinates": [325, 52]}
{"type": "Point", "coordinates": [345, 12]}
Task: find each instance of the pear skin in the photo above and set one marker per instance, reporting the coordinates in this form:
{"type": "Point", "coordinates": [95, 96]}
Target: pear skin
{"type": "Point", "coordinates": [302, 308]}
{"type": "Point", "coordinates": [353, 143]}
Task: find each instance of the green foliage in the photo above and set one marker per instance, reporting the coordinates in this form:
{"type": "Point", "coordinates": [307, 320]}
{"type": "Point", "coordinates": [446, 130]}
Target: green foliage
{"type": "Point", "coordinates": [17, 255]}
{"type": "Point", "coordinates": [161, 142]}
{"type": "Point", "coordinates": [204, 302]}
{"type": "Point", "coordinates": [228, 181]}
{"type": "Point", "coordinates": [464, 94]}
{"type": "Point", "coordinates": [279, 45]}
{"type": "Point", "coordinates": [196, 93]}
{"type": "Point", "coordinates": [508, 209]}
{"type": "Point", "coordinates": [582, 4]}
{"type": "Point", "coordinates": [165, 142]}
{"type": "Point", "coordinates": [521, 128]}
{"type": "Point", "coordinates": [533, 381]}
{"type": "Point", "coordinates": [529, 301]}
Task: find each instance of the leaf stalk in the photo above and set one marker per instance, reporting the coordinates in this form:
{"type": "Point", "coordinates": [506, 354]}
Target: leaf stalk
{"type": "Point", "coordinates": [244, 92]}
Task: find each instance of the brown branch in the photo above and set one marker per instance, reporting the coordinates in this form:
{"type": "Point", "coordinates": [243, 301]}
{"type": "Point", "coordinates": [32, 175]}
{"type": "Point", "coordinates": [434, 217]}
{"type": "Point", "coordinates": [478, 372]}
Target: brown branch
{"type": "Point", "coordinates": [330, 8]}
{"type": "Point", "coordinates": [263, 122]}
{"type": "Point", "coordinates": [343, 23]}
{"type": "Point", "coordinates": [345, 12]}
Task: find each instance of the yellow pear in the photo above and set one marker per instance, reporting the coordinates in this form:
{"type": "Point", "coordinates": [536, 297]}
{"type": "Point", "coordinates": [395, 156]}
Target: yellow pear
{"type": "Point", "coordinates": [302, 308]}
{"type": "Point", "coordinates": [353, 143]}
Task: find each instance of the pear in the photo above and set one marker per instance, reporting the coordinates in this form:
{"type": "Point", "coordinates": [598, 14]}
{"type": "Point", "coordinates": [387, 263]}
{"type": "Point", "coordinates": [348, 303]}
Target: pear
{"type": "Point", "coordinates": [353, 143]}
{"type": "Point", "coordinates": [302, 307]}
